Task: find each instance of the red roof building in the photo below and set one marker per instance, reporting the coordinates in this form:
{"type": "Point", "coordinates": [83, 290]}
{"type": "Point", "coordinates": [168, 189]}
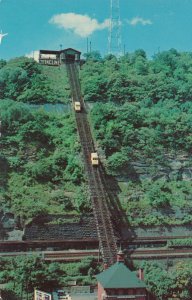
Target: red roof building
{"type": "Point", "coordinates": [119, 283]}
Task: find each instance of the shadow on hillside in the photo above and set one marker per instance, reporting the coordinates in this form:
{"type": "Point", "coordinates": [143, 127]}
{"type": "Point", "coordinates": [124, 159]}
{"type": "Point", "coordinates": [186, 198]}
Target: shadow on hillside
{"type": "Point", "coordinates": [9, 295]}
{"type": "Point", "coordinates": [4, 168]}
{"type": "Point", "coordinates": [119, 218]}
{"type": "Point", "coordinates": [3, 234]}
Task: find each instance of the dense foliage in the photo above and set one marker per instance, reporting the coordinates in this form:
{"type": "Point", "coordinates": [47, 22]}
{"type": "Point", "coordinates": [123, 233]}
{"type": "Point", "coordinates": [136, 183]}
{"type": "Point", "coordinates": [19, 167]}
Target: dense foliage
{"type": "Point", "coordinates": [134, 78]}
{"type": "Point", "coordinates": [141, 114]}
{"type": "Point", "coordinates": [180, 243]}
{"type": "Point", "coordinates": [41, 170]}
{"type": "Point", "coordinates": [22, 79]}
{"type": "Point", "coordinates": [23, 274]}
{"type": "Point", "coordinates": [141, 130]}
{"type": "Point", "coordinates": [157, 202]}
{"type": "Point", "coordinates": [176, 281]}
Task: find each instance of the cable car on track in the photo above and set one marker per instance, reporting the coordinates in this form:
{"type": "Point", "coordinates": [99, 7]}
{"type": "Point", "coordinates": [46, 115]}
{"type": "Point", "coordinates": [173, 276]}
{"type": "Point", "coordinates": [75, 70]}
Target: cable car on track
{"type": "Point", "coordinates": [94, 159]}
{"type": "Point", "coordinates": [77, 106]}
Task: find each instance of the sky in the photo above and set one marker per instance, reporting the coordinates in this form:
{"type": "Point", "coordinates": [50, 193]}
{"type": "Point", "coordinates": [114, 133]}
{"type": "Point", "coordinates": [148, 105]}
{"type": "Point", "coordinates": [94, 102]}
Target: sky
{"type": "Point", "coordinates": [151, 25]}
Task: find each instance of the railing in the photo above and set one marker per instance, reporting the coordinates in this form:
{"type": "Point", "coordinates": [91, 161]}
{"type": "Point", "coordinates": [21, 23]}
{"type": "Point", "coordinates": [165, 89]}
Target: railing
{"type": "Point", "coordinates": [98, 193]}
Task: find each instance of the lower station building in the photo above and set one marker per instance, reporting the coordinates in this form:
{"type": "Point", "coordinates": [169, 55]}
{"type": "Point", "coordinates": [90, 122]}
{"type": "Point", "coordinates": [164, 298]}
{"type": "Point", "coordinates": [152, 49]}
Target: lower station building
{"type": "Point", "coordinates": [119, 283]}
{"type": "Point", "coordinates": [56, 58]}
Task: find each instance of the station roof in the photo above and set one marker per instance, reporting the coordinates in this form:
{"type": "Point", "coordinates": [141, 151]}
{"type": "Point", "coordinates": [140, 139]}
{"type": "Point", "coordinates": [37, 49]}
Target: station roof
{"type": "Point", "coordinates": [119, 276]}
{"type": "Point", "coordinates": [49, 51]}
{"type": "Point", "coordinates": [58, 51]}
{"type": "Point", "coordinates": [65, 50]}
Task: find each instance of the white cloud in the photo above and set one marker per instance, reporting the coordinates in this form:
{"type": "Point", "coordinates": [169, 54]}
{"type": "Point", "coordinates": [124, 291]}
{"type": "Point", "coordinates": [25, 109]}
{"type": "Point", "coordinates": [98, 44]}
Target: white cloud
{"type": "Point", "coordinates": [81, 25]}
{"type": "Point", "coordinates": [34, 55]}
{"type": "Point", "coordinates": [137, 20]}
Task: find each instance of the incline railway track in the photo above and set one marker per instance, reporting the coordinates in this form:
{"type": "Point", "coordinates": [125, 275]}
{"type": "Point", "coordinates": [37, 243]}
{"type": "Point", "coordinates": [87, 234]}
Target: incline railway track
{"type": "Point", "coordinates": [100, 197]}
{"type": "Point", "coordinates": [98, 194]}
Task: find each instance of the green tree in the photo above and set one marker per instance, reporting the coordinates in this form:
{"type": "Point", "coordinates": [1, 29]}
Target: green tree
{"type": "Point", "coordinates": [159, 281]}
{"type": "Point", "coordinates": [93, 55]}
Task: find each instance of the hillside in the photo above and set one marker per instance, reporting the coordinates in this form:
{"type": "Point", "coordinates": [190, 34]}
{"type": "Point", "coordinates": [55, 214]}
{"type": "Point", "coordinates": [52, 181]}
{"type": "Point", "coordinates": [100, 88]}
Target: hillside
{"type": "Point", "coordinates": [142, 121]}
{"type": "Point", "coordinates": [24, 80]}
{"type": "Point", "coordinates": [40, 165]}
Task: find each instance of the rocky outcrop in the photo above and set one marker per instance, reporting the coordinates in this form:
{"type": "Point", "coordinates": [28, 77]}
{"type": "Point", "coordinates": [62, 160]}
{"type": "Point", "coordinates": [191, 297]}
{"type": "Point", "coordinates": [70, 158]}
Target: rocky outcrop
{"type": "Point", "coordinates": [171, 167]}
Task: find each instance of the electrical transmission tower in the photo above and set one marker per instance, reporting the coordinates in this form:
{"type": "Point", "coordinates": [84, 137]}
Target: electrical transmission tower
{"type": "Point", "coordinates": [115, 29]}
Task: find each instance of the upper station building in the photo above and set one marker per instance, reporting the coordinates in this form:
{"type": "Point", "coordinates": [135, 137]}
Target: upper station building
{"type": "Point", "coordinates": [57, 58]}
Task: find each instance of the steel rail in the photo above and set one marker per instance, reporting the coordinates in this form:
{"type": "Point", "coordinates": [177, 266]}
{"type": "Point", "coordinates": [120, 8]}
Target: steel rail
{"type": "Point", "coordinates": [98, 193]}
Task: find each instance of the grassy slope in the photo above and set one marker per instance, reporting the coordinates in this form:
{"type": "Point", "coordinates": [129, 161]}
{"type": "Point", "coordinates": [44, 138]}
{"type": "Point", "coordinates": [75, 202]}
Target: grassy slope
{"type": "Point", "coordinates": [58, 82]}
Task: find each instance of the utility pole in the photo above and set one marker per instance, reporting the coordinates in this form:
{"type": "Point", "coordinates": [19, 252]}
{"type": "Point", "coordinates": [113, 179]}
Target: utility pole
{"type": "Point", "coordinates": [90, 47]}
{"type": "Point", "coordinates": [115, 44]}
{"type": "Point", "coordinates": [87, 45]}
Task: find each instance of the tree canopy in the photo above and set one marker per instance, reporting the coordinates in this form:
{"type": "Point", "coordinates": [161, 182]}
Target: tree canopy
{"type": "Point", "coordinates": [141, 113]}
{"type": "Point", "coordinates": [23, 79]}
{"type": "Point", "coordinates": [40, 161]}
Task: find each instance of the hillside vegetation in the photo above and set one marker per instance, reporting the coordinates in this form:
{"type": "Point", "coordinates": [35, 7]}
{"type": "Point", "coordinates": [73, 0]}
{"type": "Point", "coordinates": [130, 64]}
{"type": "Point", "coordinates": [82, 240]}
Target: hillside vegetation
{"type": "Point", "coordinates": [24, 80]}
{"type": "Point", "coordinates": [143, 111]}
{"type": "Point", "coordinates": [40, 164]}
{"type": "Point", "coordinates": [21, 274]}
{"type": "Point", "coordinates": [41, 171]}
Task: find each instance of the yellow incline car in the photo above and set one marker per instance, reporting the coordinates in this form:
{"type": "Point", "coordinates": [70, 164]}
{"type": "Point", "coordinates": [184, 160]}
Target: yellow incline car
{"type": "Point", "coordinates": [94, 159]}
{"type": "Point", "coordinates": [77, 106]}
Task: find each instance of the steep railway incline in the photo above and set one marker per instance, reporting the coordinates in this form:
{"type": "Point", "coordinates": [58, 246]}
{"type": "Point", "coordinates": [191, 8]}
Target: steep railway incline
{"type": "Point", "coordinates": [98, 192]}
